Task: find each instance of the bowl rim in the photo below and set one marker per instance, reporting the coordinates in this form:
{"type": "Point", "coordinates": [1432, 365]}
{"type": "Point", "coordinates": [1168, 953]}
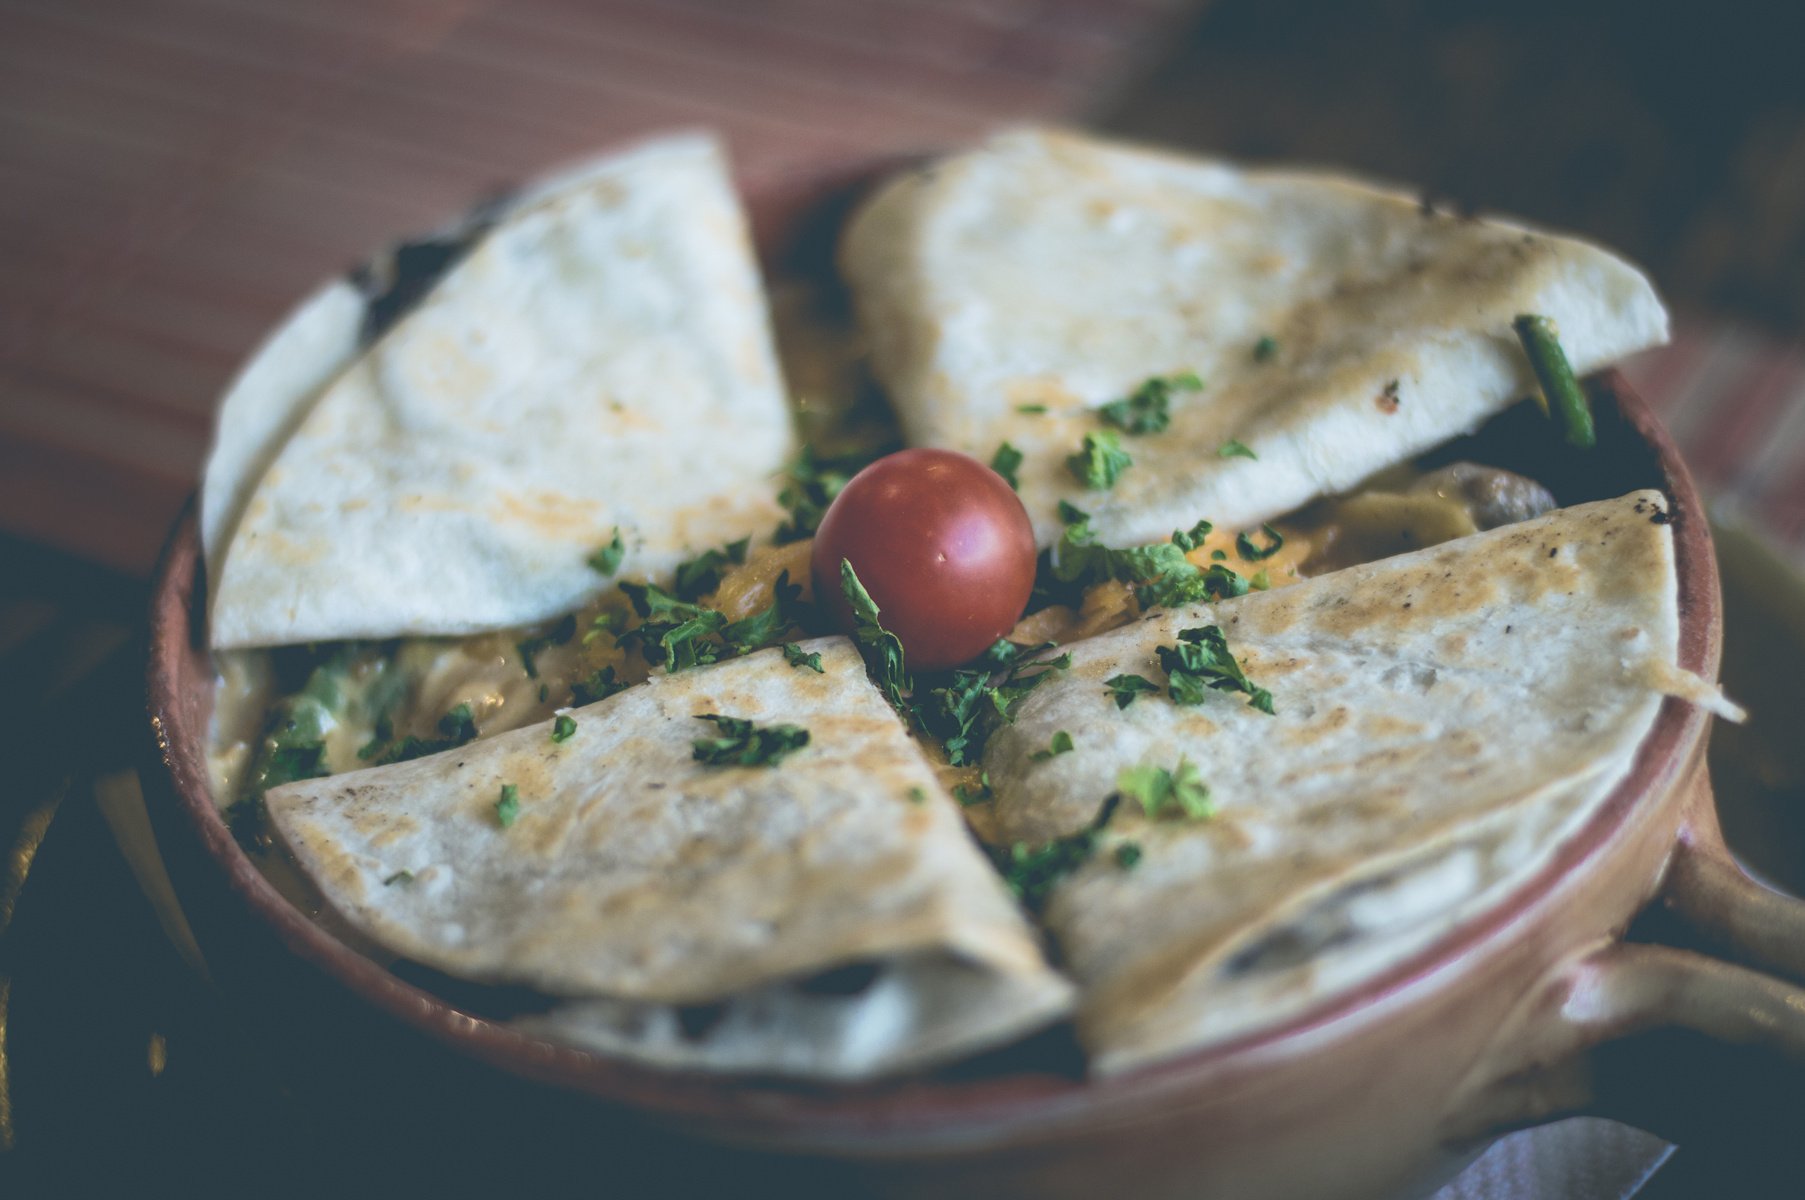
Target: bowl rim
{"type": "Point", "coordinates": [928, 1104]}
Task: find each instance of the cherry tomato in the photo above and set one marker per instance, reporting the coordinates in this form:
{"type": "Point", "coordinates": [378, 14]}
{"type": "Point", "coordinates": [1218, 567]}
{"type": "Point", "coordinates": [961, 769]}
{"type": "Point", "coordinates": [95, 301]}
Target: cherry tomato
{"type": "Point", "coordinates": [942, 544]}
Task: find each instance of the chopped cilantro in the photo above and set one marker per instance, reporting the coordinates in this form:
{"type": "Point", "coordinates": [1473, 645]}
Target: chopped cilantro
{"type": "Point", "coordinates": [768, 624]}
{"type": "Point", "coordinates": [1235, 449]}
{"type": "Point", "coordinates": [529, 649]}
{"type": "Point", "coordinates": [1189, 539]}
{"type": "Point", "coordinates": [403, 876]}
{"type": "Point", "coordinates": [699, 576]}
{"type": "Point", "coordinates": [1266, 349]}
{"type": "Point", "coordinates": [1060, 744]}
{"type": "Point", "coordinates": [962, 714]}
{"type": "Point", "coordinates": [1261, 581]}
{"type": "Point", "coordinates": [1128, 855]}
{"type": "Point", "coordinates": [608, 622]}
{"type": "Point", "coordinates": [811, 483]}
{"type": "Point", "coordinates": [742, 743]}
{"type": "Point", "coordinates": [1245, 547]}
{"type": "Point", "coordinates": [793, 654]}
{"type": "Point", "coordinates": [1071, 514]}
{"type": "Point", "coordinates": [1218, 555]}
{"type": "Point", "coordinates": [1126, 687]}
{"type": "Point", "coordinates": [882, 649]}
{"type": "Point", "coordinates": [1201, 662]}
{"type": "Point", "coordinates": [1031, 410]}
{"type": "Point", "coordinates": [599, 686]}
{"type": "Point", "coordinates": [1179, 792]}
{"type": "Point", "coordinates": [508, 807]}
{"type": "Point", "coordinates": [564, 728]}
{"type": "Point", "coordinates": [545, 691]}
{"type": "Point", "coordinates": [1147, 408]}
{"type": "Point", "coordinates": [918, 795]}
{"type": "Point", "coordinates": [1005, 462]}
{"type": "Point", "coordinates": [1033, 872]}
{"type": "Point", "coordinates": [607, 560]}
{"type": "Point", "coordinates": [1163, 576]}
{"type": "Point", "coordinates": [455, 728]}
{"type": "Point", "coordinates": [1100, 461]}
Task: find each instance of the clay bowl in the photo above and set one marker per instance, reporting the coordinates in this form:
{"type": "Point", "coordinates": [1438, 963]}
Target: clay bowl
{"type": "Point", "coordinates": [1513, 1018]}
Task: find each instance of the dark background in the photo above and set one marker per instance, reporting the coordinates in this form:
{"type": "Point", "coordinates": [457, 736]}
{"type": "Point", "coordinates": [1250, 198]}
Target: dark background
{"type": "Point", "coordinates": [1674, 133]}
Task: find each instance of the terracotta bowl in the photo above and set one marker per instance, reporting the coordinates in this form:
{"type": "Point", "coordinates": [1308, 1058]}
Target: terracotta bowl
{"type": "Point", "coordinates": [1510, 1019]}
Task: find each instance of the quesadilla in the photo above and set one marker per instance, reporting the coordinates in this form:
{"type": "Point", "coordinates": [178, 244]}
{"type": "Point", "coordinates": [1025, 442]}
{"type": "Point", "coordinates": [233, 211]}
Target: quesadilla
{"type": "Point", "coordinates": [828, 912]}
{"type": "Point", "coordinates": [1245, 340]}
{"type": "Point", "coordinates": [1441, 722]}
{"type": "Point", "coordinates": [575, 375]}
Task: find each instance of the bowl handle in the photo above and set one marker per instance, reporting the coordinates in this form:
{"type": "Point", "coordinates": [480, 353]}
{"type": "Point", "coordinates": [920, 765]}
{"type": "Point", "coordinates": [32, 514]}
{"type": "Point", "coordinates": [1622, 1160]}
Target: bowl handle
{"type": "Point", "coordinates": [1693, 1030]}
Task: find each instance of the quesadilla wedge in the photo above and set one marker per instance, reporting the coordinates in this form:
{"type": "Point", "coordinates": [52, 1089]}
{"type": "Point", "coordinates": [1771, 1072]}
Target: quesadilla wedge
{"type": "Point", "coordinates": [828, 911]}
{"type": "Point", "coordinates": [576, 374]}
{"type": "Point", "coordinates": [1246, 340]}
{"type": "Point", "coordinates": [1441, 722]}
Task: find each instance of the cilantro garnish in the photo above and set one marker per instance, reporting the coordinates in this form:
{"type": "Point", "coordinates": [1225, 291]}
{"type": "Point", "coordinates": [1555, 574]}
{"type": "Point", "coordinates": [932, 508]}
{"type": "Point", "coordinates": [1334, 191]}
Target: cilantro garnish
{"type": "Point", "coordinates": [1031, 410]}
{"type": "Point", "coordinates": [1060, 744]}
{"type": "Point", "coordinates": [768, 624]}
{"type": "Point", "coordinates": [1235, 449]}
{"type": "Point", "coordinates": [1032, 873]}
{"type": "Point", "coordinates": [1189, 539]}
{"type": "Point", "coordinates": [811, 483]}
{"type": "Point", "coordinates": [1245, 547]}
{"type": "Point", "coordinates": [1125, 688]}
{"type": "Point", "coordinates": [508, 807]}
{"type": "Point", "coordinates": [1201, 661]}
{"type": "Point", "coordinates": [564, 728]}
{"type": "Point", "coordinates": [455, 728]}
{"type": "Point", "coordinates": [1261, 581]}
{"type": "Point", "coordinates": [883, 650]}
{"type": "Point", "coordinates": [1005, 462]}
{"type": "Point", "coordinates": [1100, 460]}
{"type": "Point", "coordinates": [1163, 576]}
{"type": "Point", "coordinates": [976, 701]}
{"type": "Point", "coordinates": [1147, 408]}
{"type": "Point", "coordinates": [606, 561]}
{"type": "Point", "coordinates": [1128, 855]}
{"type": "Point", "coordinates": [608, 622]}
{"type": "Point", "coordinates": [1179, 792]}
{"type": "Point", "coordinates": [701, 575]}
{"type": "Point", "coordinates": [794, 655]}
{"type": "Point", "coordinates": [398, 877]}
{"type": "Point", "coordinates": [599, 686]}
{"type": "Point", "coordinates": [529, 649]}
{"type": "Point", "coordinates": [1266, 349]}
{"type": "Point", "coordinates": [742, 743]}
{"type": "Point", "coordinates": [918, 795]}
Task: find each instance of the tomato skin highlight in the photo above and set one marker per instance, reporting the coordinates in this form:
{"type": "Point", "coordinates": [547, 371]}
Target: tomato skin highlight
{"type": "Point", "coordinates": [943, 545]}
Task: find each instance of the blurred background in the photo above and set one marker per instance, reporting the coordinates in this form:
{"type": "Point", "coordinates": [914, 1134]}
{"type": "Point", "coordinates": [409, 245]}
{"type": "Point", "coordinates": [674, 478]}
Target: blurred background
{"type": "Point", "coordinates": [174, 174]}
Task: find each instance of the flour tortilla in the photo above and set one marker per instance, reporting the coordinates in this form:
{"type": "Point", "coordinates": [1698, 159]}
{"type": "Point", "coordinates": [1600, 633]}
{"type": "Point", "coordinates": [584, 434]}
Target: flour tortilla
{"type": "Point", "coordinates": [1445, 719]}
{"type": "Point", "coordinates": [636, 881]}
{"type": "Point", "coordinates": [580, 370]}
{"type": "Point", "coordinates": [1050, 269]}
{"type": "Point", "coordinates": [267, 400]}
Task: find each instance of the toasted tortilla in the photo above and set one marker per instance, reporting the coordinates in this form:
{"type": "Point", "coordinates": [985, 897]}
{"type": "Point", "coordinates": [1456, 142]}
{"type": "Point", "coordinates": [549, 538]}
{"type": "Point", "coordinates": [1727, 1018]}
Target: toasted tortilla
{"type": "Point", "coordinates": [1444, 721]}
{"type": "Point", "coordinates": [1053, 271]}
{"type": "Point", "coordinates": [635, 880]}
{"type": "Point", "coordinates": [573, 374]}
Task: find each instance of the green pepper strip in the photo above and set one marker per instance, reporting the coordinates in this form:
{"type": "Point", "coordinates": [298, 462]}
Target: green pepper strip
{"type": "Point", "coordinates": [1556, 376]}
